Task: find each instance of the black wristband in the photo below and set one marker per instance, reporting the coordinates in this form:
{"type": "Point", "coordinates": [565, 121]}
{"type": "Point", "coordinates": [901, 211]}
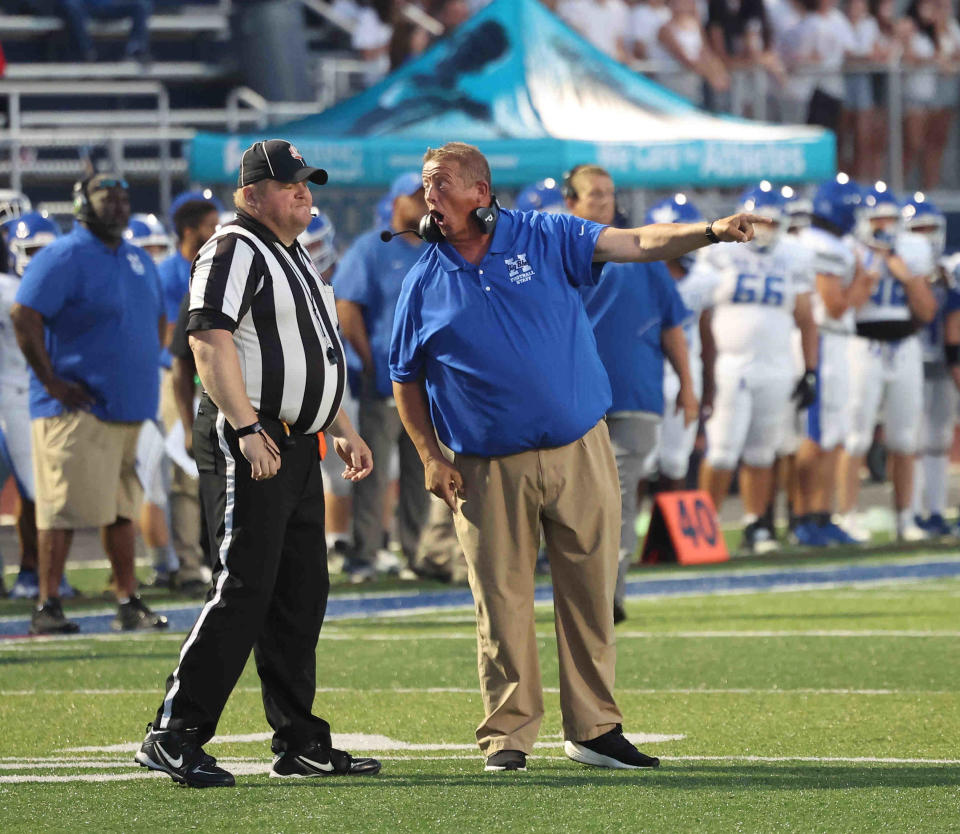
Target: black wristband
{"type": "Point", "coordinates": [253, 428]}
{"type": "Point", "coordinates": [711, 234]}
{"type": "Point", "coordinates": [952, 353]}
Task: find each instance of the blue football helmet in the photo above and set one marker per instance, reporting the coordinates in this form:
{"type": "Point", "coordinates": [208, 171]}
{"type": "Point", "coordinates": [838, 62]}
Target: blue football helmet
{"type": "Point", "coordinates": [544, 196]}
{"type": "Point", "coordinates": [13, 204]}
{"type": "Point", "coordinates": [797, 208]}
{"type": "Point", "coordinates": [768, 202]}
{"type": "Point", "coordinates": [27, 235]}
{"type": "Point", "coordinates": [923, 217]}
{"type": "Point", "coordinates": [317, 239]}
{"type": "Point", "coordinates": [879, 217]}
{"type": "Point", "coordinates": [836, 202]}
{"type": "Point", "coordinates": [675, 209]}
{"type": "Point", "coordinates": [147, 232]}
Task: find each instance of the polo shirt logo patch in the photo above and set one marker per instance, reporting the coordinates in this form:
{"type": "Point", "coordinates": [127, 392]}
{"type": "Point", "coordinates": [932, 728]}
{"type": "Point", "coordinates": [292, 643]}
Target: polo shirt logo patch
{"type": "Point", "coordinates": [520, 270]}
{"type": "Point", "coordinates": [136, 264]}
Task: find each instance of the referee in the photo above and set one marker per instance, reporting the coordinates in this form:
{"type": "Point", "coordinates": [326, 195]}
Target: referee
{"type": "Point", "coordinates": [263, 329]}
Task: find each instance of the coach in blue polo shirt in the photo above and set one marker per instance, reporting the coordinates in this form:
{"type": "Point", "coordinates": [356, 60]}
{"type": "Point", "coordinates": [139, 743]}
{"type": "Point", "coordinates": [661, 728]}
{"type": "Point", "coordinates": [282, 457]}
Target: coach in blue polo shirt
{"type": "Point", "coordinates": [493, 353]}
{"type": "Point", "coordinates": [637, 317]}
{"type": "Point", "coordinates": [368, 285]}
{"type": "Point", "coordinates": [89, 319]}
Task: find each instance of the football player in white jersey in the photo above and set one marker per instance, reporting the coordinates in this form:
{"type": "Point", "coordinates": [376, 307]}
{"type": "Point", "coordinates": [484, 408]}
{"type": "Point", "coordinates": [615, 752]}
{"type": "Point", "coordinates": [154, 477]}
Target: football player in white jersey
{"type": "Point", "coordinates": [886, 361]}
{"type": "Point", "coordinates": [677, 434]}
{"type": "Point", "coordinates": [26, 233]}
{"type": "Point", "coordinates": [761, 292]}
{"type": "Point", "coordinates": [841, 285]}
{"type": "Point", "coordinates": [939, 391]}
{"type": "Point", "coordinates": [147, 232]}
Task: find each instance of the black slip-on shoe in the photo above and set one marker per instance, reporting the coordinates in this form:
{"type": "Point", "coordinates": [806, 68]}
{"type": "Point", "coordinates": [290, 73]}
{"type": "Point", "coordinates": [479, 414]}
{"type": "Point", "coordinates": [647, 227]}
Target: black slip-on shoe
{"type": "Point", "coordinates": [182, 759]}
{"type": "Point", "coordinates": [134, 615]}
{"type": "Point", "coordinates": [609, 750]}
{"type": "Point", "coordinates": [321, 761]}
{"type": "Point", "coordinates": [506, 760]}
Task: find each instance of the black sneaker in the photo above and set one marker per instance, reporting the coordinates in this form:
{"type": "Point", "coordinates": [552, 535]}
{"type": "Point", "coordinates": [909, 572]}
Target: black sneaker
{"type": "Point", "coordinates": [322, 761]}
{"type": "Point", "coordinates": [182, 759]}
{"type": "Point", "coordinates": [506, 760]}
{"type": "Point", "coordinates": [619, 612]}
{"type": "Point", "coordinates": [133, 615]}
{"type": "Point", "coordinates": [49, 619]}
{"type": "Point", "coordinates": [757, 539]}
{"type": "Point", "coordinates": [609, 750]}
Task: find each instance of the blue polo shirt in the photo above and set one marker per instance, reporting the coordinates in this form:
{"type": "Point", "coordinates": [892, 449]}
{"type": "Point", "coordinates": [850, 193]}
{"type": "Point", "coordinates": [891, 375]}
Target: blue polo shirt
{"type": "Point", "coordinates": [370, 274]}
{"type": "Point", "coordinates": [174, 274]}
{"type": "Point", "coordinates": [100, 312]}
{"type": "Point", "coordinates": [505, 347]}
{"type": "Point", "coordinates": [629, 308]}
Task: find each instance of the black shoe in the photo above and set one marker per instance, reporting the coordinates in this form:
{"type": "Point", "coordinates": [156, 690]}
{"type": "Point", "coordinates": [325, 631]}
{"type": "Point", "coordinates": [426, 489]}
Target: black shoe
{"type": "Point", "coordinates": [195, 588]}
{"type": "Point", "coordinates": [182, 759]}
{"type": "Point", "coordinates": [758, 539]}
{"type": "Point", "coordinates": [507, 760]}
{"type": "Point", "coordinates": [321, 761]}
{"type": "Point", "coordinates": [609, 750]}
{"type": "Point", "coordinates": [49, 619]}
{"type": "Point", "coordinates": [619, 612]}
{"type": "Point", "coordinates": [134, 615]}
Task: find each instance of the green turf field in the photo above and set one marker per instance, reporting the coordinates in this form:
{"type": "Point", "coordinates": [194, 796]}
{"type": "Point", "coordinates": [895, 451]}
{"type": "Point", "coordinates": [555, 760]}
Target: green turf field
{"type": "Point", "coordinates": [822, 710]}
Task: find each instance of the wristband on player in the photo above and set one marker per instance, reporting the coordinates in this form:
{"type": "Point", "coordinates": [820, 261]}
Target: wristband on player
{"type": "Point", "coordinates": [253, 428]}
{"type": "Point", "coordinates": [952, 353]}
{"type": "Point", "coordinates": [711, 234]}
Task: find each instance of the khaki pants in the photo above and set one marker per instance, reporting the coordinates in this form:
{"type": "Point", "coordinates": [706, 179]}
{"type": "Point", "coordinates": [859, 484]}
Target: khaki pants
{"type": "Point", "coordinates": [183, 501]}
{"type": "Point", "coordinates": [85, 471]}
{"type": "Point", "coordinates": [439, 553]}
{"type": "Point", "coordinates": [573, 491]}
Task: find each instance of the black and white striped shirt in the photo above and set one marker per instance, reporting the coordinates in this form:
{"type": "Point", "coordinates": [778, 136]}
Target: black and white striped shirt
{"type": "Point", "coordinates": [283, 318]}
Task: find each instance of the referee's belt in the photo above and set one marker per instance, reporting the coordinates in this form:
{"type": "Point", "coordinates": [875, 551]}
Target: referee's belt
{"type": "Point", "coordinates": [286, 438]}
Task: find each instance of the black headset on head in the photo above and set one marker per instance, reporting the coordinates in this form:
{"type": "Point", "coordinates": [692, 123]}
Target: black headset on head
{"type": "Point", "coordinates": [82, 209]}
{"type": "Point", "coordinates": [567, 189]}
{"type": "Point", "coordinates": [485, 216]}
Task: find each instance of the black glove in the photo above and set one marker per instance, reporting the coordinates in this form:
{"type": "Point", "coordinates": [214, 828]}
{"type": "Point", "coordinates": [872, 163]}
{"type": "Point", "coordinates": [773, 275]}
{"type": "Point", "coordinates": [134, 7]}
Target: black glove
{"type": "Point", "coordinates": [805, 391]}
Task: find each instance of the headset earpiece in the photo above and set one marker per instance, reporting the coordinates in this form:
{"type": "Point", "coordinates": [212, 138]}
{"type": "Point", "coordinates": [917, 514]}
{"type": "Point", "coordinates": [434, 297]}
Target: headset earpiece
{"type": "Point", "coordinates": [567, 189]}
{"type": "Point", "coordinates": [81, 200]}
{"type": "Point", "coordinates": [486, 217]}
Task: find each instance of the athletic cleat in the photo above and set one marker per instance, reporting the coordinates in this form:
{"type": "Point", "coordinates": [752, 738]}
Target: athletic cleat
{"type": "Point", "coordinates": [322, 761]}
{"type": "Point", "coordinates": [134, 615]}
{"type": "Point", "coordinates": [834, 534]}
{"type": "Point", "coordinates": [850, 524]}
{"type": "Point", "coordinates": [49, 619]}
{"type": "Point", "coordinates": [807, 534]}
{"type": "Point", "coordinates": [182, 759]}
{"type": "Point", "coordinates": [757, 539]}
{"type": "Point", "coordinates": [936, 527]}
{"type": "Point", "coordinates": [609, 750]}
{"type": "Point", "coordinates": [25, 586]}
{"type": "Point", "coordinates": [502, 760]}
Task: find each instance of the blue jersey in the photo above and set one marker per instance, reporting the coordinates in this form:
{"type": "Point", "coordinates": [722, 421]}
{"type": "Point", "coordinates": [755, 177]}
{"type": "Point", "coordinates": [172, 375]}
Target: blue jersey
{"type": "Point", "coordinates": [101, 310]}
{"type": "Point", "coordinates": [370, 274]}
{"type": "Point", "coordinates": [629, 308]}
{"type": "Point", "coordinates": [505, 347]}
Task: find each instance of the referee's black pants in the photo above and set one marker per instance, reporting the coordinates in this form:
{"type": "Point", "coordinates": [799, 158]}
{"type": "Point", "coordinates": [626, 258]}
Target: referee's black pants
{"type": "Point", "coordinates": [269, 591]}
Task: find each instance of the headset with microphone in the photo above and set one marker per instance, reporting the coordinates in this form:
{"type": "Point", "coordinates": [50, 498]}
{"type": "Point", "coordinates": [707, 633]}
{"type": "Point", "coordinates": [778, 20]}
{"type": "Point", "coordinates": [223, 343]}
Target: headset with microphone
{"type": "Point", "coordinates": [486, 218]}
{"type": "Point", "coordinates": [82, 208]}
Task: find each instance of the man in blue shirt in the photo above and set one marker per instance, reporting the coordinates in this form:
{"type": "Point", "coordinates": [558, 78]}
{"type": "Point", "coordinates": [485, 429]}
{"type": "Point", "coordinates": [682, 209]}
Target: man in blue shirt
{"type": "Point", "coordinates": [637, 316]}
{"type": "Point", "coordinates": [494, 357]}
{"type": "Point", "coordinates": [89, 318]}
{"type": "Point", "coordinates": [368, 286]}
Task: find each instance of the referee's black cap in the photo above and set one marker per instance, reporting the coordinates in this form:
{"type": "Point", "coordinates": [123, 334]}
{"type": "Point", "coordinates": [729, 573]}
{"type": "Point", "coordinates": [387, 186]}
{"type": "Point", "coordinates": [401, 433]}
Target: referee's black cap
{"type": "Point", "coordinates": [276, 159]}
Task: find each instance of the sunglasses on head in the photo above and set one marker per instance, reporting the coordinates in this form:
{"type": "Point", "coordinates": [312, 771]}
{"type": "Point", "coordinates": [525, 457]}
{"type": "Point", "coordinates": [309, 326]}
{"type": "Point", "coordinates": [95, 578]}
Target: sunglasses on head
{"type": "Point", "coordinates": [109, 183]}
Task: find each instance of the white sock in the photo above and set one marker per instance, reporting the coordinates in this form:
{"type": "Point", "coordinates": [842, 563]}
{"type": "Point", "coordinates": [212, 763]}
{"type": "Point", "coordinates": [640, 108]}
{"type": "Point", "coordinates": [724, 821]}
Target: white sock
{"type": "Point", "coordinates": [935, 482]}
{"type": "Point", "coordinates": [904, 519]}
{"type": "Point", "coordinates": [333, 538]}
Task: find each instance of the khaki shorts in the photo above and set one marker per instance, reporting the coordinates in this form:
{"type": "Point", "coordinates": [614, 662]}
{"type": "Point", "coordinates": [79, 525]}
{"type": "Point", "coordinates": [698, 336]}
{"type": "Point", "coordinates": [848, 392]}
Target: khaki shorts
{"type": "Point", "coordinates": [85, 471]}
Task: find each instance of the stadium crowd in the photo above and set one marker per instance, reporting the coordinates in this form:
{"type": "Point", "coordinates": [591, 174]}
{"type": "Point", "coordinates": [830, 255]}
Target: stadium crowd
{"type": "Point", "coordinates": [779, 357]}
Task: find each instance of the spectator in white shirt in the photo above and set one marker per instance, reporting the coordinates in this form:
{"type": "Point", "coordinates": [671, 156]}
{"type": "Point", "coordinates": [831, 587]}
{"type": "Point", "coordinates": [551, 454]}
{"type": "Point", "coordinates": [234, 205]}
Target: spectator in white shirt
{"type": "Point", "coordinates": [604, 23]}
{"type": "Point", "coordinates": [646, 18]}
{"type": "Point", "coordinates": [371, 38]}
{"type": "Point", "coordinates": [860, 112]}
{"type": "Point", "coordinates": [683, 47]}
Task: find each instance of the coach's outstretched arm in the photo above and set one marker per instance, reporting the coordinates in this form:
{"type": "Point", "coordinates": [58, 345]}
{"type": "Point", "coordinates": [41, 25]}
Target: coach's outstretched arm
{"type": "Point", "coordinates": [666, 241]}
{"type": "Point", "coordinates": [441, 477]}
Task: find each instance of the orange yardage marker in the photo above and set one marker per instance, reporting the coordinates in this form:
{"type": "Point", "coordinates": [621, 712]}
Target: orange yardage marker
{"type": "Point", "coordinates": [684, 529]}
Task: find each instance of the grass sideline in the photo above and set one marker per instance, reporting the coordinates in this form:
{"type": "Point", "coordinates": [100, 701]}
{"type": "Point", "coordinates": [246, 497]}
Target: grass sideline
{"type": "Point", "coordinates": [826, 710]}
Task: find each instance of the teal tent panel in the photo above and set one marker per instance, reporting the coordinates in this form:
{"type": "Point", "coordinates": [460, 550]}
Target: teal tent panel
{"type": "Point", "coordinates": [537, 99]}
